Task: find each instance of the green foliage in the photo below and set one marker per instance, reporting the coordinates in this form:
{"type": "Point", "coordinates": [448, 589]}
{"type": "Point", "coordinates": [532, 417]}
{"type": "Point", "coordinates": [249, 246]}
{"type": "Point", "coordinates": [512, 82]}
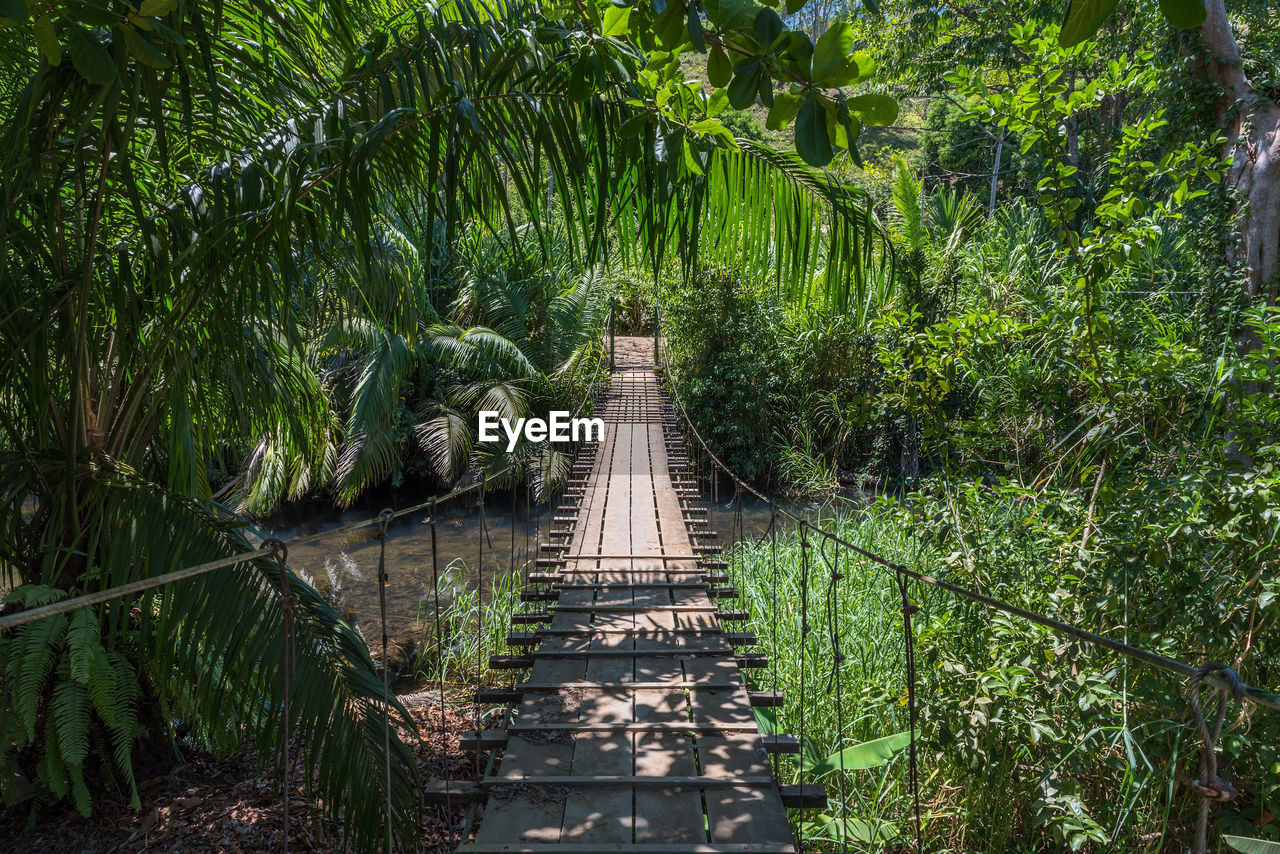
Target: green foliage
{"type": "Point", "coordinates": [1094, 445]}
{"type": "Point", "coordinates": [475, 623]}
{"type": "Point", "coordinates": [742, 125]}
{"type": "Point", "coordinates": [718, 329]}
{"type": "Point", "coordinates": [750, 50]}
{"type": "Point", "coordinates": [860, 757]}
{"type": "Point", "coordinates": [960, 152]}
{"type": "Point", "coordinates": [786, 587]}
{"type": "Point", "coordinates": [206, 654]}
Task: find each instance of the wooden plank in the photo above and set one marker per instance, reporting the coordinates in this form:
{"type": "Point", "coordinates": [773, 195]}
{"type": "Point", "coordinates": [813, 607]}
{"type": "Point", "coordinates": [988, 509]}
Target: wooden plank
{"type": "Point", "coordinates": [809, 796]}
{"type": "Point", "coordinates": [751, 816]}
{"type": "Point", "coordinates": [534, 760]}
{"type": "Point", "coordinates": [633, 631]}
{"type": "Point", "coordinates": [721, 706]}
{"type": "Point", "coordinates": [628, 848]}
{"type": "Point", "coordinates": [451, 792]}
{"type": "Point", "coordinates": [729, 756]}
{"type": "Point", "coordinates": [489, 739]}
{"type": "Point", "coordinates": [586, 726]}
{"type": "Point", "coordinates": [665, 755]}
{"type": "Point", "coordinates": [521, 819]}
{"type": "Point", "coordinates": [651, 649]}
{"type": "Point", "coordinates": [629, 686]}
{"type": "Point", "coordinates": [665, 809]}
{"type": "Point", "coordinates": [600, 815]}
{"type": "Point", "coordinates": [667, 705]}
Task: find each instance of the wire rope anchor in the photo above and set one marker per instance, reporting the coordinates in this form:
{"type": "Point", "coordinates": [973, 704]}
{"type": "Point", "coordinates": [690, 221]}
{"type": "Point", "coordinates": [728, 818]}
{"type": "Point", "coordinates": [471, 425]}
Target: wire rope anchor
{"type": "Point", "coordinates": [1212, 788]}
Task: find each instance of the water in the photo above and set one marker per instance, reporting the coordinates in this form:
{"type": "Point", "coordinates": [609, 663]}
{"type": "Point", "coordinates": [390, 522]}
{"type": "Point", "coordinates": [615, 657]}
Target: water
{"type": "Point", "coordinates": [344, 566]}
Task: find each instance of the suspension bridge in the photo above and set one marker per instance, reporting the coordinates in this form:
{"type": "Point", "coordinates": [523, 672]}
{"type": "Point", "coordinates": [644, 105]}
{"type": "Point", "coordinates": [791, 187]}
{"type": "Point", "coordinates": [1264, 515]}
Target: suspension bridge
{"type": "Point", "coordinates": [633, 730]}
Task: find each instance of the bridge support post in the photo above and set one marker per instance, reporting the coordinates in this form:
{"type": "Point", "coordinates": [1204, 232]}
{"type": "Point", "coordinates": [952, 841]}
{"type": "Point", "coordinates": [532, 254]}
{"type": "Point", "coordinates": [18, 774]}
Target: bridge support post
{"type": "Point", "coordinates": [655, 335]}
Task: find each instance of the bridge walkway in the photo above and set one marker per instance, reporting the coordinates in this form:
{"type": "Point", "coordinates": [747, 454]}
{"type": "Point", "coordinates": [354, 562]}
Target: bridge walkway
{"type": "Point", "coordinates": [634, 729]}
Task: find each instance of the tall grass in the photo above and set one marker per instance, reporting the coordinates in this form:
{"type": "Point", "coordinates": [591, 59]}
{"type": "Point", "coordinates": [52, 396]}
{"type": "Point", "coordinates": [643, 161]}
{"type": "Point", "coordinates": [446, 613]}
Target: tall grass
{"type": "Point", "coordinates": [787, 587]}
{"type": "Point", "coordinates": [472, 625]}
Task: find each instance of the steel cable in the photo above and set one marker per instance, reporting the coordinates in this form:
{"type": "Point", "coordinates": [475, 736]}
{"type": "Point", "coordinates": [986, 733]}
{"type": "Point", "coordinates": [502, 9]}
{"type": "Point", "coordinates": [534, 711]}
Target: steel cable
{"type": "Point", "coordinates": [280, 552]}
{"type": "Point", "coordinates": [837, 662]}
{"type": "Point", "coordinates": [480, 638]}
{"type": "Point", "coordinates": [381, 535]}
{"type": "Point", "coordinates": [913, 769]}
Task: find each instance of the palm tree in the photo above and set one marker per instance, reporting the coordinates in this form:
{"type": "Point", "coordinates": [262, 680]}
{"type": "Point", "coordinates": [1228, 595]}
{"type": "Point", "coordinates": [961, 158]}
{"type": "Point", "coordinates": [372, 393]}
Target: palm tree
{"type": "Point", "coordinates": [180, 185]}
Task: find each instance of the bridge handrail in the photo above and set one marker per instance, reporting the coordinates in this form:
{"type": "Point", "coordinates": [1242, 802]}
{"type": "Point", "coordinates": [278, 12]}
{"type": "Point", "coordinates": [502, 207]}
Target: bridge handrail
{"type": "Point", "coordinates": [1155, 659]}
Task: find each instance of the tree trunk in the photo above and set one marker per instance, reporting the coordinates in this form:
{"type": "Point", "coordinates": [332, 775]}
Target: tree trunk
{"type": "Point", "coordinates": [995, 175]}
{"type": "Point", "coordinates": [1252, 125]}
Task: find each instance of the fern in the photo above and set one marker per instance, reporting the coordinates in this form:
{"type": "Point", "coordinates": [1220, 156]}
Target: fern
{"type": "Point", "coordinates": [83, 641]}
{"type": "Point", "coordinates": [29, 669]}
{"type": "Point", "coordinates": [123, 723]}
{"type": "Point", "coordinates": [70, 708]}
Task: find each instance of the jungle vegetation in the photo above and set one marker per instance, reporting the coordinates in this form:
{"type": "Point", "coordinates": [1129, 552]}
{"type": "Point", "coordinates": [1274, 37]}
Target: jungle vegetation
{"type": "Point", "coordinates": [259, 250]}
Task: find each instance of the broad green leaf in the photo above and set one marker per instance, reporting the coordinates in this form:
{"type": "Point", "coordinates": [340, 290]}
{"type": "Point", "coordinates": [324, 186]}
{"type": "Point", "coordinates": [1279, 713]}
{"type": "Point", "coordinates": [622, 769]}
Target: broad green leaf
{"type": "Point", "coordinates": [766, 719]}
{"type": "Point", "coordinates": [874, 109]}
{"type": "Point", "coordinates": [15, 10]}
{"type": "Point", "coordinates": [783, 112]}
{"type": "Point", "coordinates": [718, 102]}
{"type": "Point", "coordinates": [47, 40]}
{"type": "Point", "coordinates": [691, 159]}
{"type": "Point", "coordinates": [794, 6]}
{"type": "Point", "coordinates": [832, 65]}
{"type": "Point", "coordinates": [616, 19]}
{"type": "Point", "coordinates": [1083, 19]}
{"type": "Point", "coordinates": [153, 8]}
{"type": "Point", "coordinates": [631, 127]}
{"type": "Point", "coordinates": [870, 831]}
{"type": "Point", "coordinates": [1252, 846]}
{"type": "Point", "coordinates": [812, 140]}
{"type": "Point", "coordinates": [1183, 14]}
{"type": "Point", "coordinates": [866, 63]}
{"type": "Point", "coordinates": [89, 56]}
{"type": "Point", "coordinates": [719, 68]}
{"type": "Point", "coordinates": [695, 30]}
{"type": "Point", "coordinates": [859, 757]}
{"type": "Point", "coordinates": [768, 27]}
{"type": "Point", "coordinates": [743, 89]}
{"type": "Point", "coordinates": [765, 89]}
{"type": "Point", "coordinates": [670, 28]}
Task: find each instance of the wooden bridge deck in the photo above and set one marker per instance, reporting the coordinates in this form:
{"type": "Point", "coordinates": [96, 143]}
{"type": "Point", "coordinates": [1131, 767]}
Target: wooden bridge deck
{"type": "Point", "coordinates": [634, 730]}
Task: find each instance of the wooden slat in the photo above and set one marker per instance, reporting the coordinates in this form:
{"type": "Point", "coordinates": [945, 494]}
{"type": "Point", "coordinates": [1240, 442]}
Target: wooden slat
{"type": "Point", "coordinates": [627, 848]}
{"type": "Point", "coordinates": [637, 780]}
